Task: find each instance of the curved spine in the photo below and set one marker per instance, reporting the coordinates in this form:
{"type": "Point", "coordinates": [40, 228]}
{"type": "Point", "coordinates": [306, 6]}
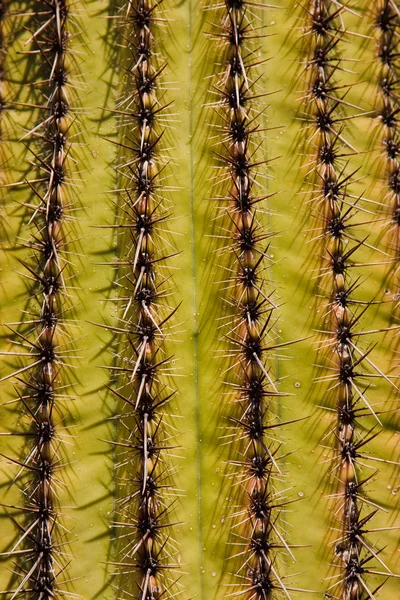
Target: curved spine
{"type": "Point", "coordinates": [146, 551]}
{"type": "Point", "coordinates": [40, 555]}
{"type": "Point", "coordinates": [334, 207]}
{"type": "Point", "coordinates": [257, 539]}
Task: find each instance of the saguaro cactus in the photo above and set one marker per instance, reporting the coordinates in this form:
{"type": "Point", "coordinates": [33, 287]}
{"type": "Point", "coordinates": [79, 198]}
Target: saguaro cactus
{"type": "Point", "coordinates": [199, 300]}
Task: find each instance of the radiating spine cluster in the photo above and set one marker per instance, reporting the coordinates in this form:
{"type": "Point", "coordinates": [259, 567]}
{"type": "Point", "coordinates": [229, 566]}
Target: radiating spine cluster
{"type": "Point", "coordinates": [333, 207]}
{"type": "Point", "coordinates": [256, 536]}
{"type": "Point", "coordinates": [40, 548]}
{"type": "Point", "coordinates": [146, 550]}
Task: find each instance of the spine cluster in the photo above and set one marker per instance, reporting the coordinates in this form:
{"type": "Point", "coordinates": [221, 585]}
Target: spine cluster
{"type": "Point", "coordinates": [41, 339]}
{"type": "Point", "coordinates": [145, 494]}
{"type": "Point", "coordinates": [256, 538]}
{"type": "Point", "coordinates": [334, 208]}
